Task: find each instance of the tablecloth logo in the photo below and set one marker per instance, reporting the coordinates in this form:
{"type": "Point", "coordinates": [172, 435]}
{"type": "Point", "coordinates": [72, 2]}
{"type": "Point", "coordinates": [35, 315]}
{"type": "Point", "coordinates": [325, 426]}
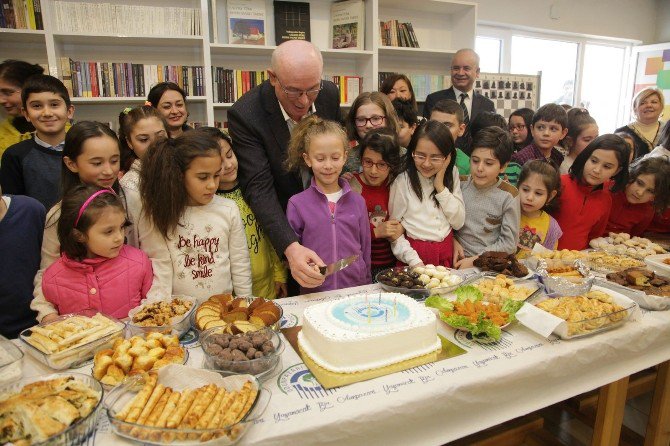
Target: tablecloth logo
{"type": "Point", "coordinates": [298, 380]}
{"type": "Point", "coordinates": [289, 320]}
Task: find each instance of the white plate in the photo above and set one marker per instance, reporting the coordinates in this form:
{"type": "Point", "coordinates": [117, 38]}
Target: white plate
{"type": "Point", "coordinates": [656, 264]}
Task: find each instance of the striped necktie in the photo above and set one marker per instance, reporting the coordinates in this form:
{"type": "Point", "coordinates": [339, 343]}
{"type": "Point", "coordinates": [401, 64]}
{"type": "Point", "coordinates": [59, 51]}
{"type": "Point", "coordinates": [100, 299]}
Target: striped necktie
{"type": "Point", "coordinates": [466, 115]}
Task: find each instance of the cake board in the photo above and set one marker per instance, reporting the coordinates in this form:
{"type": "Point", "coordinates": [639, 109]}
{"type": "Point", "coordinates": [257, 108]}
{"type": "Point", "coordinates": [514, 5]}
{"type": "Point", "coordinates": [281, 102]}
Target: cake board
{"type": "Point", "coordinates": [329, 379]}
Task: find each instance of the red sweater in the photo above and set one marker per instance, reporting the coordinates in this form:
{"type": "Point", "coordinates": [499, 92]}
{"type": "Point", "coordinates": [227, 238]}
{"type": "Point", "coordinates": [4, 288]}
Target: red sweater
{"type": "Point", "coordinates": [583, 213]}
{"type": "Point", "coordinates": [626, 217]}
{"type": "Point", "coordinates": [377, 202]}
{"type": "Point", "coordinates": [661, 223]}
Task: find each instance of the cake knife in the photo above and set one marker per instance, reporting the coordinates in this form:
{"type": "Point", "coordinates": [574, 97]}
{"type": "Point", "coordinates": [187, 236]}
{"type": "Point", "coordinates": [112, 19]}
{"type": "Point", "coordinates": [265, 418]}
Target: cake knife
{"type": "Point", "coordinates": [337, 266]}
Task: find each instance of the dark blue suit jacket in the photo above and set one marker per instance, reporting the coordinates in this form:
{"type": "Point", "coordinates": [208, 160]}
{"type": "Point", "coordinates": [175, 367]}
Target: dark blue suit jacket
{"type": "Point", "coordinates": [260, 141]}
{"type": "Point", "coordinates": [480, 103]}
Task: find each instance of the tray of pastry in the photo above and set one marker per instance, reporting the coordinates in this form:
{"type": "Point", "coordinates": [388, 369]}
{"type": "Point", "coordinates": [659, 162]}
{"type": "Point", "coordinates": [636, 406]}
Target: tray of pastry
{"type": "Point", "coordinates": [501, 262]}
{"type": "Point", "coordinates": [170, 316]}
{"type": "Point", "coordinates": [137, 354]}
{"type": "Point", "coordinates": [237, 314]}
{"type": "Point", "coordinates": [71, 339]}
{"type": "Point", "coordinates": [420, 281]}
{"type": "Point", "coordinates": [649, 290]}
{"type": "Point", "coordinates": [598, 310]}
{"type": "Point", "coordinates": [498, 288]}
{"type": "Point", "coordinates": [183, 406]}
{"type": "Point", "coordinates": [54, 410]}
{"type": "Point", "coordinates": [623, 244]}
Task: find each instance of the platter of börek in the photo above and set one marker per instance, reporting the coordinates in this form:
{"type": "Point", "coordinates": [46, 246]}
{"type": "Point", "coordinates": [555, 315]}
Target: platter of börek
{"type": "Point", "coordinates": [185, 406]}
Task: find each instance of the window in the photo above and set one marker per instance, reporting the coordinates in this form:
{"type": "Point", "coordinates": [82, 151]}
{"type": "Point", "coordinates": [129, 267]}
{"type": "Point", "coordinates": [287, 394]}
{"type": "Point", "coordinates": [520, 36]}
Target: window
{"type": "Point", "coordinates": [488, 49]}
{"type": "Point", "coordinates": [601, 83]}
{"type": "Point", "coordinates": [557, 60]}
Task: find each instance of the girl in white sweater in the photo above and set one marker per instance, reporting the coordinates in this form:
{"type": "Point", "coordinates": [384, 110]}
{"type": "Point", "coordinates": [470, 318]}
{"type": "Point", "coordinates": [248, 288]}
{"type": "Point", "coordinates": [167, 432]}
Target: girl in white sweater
{"type": "Point", "coordinates": [427, 198]}
{"type": "Point", "coordinates": [199, 232]}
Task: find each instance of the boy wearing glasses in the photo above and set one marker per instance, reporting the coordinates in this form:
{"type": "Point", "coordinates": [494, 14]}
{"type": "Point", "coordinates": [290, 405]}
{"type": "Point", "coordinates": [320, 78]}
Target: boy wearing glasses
{"type": "Point", "coordinates": [549, 127]}
{"type": "Point", "coordinates": [491, 204]}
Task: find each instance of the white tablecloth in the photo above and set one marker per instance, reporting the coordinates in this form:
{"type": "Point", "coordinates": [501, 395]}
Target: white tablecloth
{"type": "Point", "coordinates": [440, 402]}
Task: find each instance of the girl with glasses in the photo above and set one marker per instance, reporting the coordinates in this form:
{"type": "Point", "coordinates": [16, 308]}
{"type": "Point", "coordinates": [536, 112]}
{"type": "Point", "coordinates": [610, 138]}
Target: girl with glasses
{"type": "Point", "coordinates": [381, 163]}
{"type": "Point", "coordinates": [368, 111]}
{"type": "Point", "coordinates": [427, 198]}
{"type": "Point", "coordinates": [519, 127]}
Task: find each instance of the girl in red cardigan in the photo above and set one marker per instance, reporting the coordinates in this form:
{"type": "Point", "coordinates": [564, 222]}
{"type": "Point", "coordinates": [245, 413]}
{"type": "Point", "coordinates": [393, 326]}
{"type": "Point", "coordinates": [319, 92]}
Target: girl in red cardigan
{"type": "Point", "coordinates": [586, 201]}
{"type": "Point", "coordinates": [648, 190]}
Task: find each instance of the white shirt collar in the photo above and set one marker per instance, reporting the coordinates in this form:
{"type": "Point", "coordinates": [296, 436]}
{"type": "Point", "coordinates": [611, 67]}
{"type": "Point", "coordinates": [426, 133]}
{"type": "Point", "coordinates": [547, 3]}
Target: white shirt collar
{"type": "Point", "coordinates": [458, 93]}
{"type": "Point", "coordinates": [58, 146]}
{"type": "Point", "coordinates": [312, 110]}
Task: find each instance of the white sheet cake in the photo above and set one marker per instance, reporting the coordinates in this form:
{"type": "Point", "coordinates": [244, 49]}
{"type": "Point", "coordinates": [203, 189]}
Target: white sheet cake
{"type": "Point", "coordinates": [366, 332]}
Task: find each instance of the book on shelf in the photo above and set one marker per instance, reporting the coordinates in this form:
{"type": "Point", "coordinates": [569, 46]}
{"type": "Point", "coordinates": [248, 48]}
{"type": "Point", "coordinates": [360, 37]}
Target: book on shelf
{"type": "Point", "coordinates": [246, 22]}
{"type": "Point", "coordinates": [229, 85]}
{"type": "Point", "coordinates": [77, 17]}
{"type": "Point", "coordinates": [347, 24]}
{"type": "Point", "coordinates": [291, 21]}
{"type": "Point", "coordinates": [21, 14]}
{"type": "Point", "coordinates": [112, 79]}
{"type": "Point", "coordinates": [423, 84]}
{"type": "Point", "coordinates": [349, 86]}
{"type": "Point", "coordinates": [395, 33]}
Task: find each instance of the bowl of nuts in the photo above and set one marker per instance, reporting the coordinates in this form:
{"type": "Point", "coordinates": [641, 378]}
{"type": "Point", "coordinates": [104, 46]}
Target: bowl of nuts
{"type": "Point", "coordinates": [255, 353]}
{"type": "Point", "coordinates": [419, 282]}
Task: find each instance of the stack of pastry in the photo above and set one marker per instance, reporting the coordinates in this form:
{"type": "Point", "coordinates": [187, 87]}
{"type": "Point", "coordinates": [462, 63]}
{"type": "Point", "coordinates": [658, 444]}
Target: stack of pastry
{"type": "Point", "coordinates": [624, 244]}
{"type": "Point", "coordinates": [71, 332]}
{"type": "Point", "coordinates": [207, 408]}
{"type": "Point", "coordinates": [501, 288]}
{"type": "Point", "coordinates": [136, 355]}
{"type": "Point", "coordinates": [237, 315]}
{"type": "Point", "coordinates": [43, 409]}
{"type": "Point", "coordinates": [585, 313]}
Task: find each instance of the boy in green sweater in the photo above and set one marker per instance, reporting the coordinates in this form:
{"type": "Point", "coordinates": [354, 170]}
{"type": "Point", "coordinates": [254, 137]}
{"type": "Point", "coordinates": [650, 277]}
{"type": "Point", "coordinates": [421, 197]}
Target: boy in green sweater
{"type": "Point", "coordinates": [268, 274]}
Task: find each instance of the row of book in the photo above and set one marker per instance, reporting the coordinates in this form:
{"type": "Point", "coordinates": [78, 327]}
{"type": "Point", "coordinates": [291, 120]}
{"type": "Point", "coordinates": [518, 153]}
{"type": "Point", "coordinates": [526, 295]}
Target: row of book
{"type": "Point", "coordinates": [350, 87]}
{"type": "Point", "coordinates": [423, 84]}
{"type": "Point", "coordinates": [395, 33]}
{"type": "Point", "coordinates": [112, 79]}
{"type": "Point", "coordinates": [21, 14]}
{"type": "Point", "coordinates": [229, 85]}
{"type": "Point", "coordinates": [77, 17]}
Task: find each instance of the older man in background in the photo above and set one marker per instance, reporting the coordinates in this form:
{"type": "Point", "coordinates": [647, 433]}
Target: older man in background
{"type": "Point", "coordinates": [260, 124]}
{"type": "Point", "coordinates": [464, 71]}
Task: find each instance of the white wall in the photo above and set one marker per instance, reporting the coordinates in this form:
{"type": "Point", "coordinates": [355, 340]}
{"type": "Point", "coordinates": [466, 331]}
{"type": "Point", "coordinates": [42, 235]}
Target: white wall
{"type": "Point", "coordinates": [628, 19]}
{"type": "Point", "coordinates": [662, 21]}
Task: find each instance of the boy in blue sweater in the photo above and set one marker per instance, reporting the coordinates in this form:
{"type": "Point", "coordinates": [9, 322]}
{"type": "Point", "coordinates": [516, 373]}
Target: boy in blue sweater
{"type": "Point", "coordinates": [21, 229]}
{"type": "Point", "coordinates": [32, 167]}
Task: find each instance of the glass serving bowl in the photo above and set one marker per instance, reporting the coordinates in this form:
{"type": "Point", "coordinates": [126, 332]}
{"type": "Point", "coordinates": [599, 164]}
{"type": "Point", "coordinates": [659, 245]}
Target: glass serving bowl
{"type": "Point", "coordinates": [418, 292]}
{"type": "Point", "coordinates": [75, 356]}
{"type": "Point", "coordinates": [11, 361]}
{"type": "Point", "coordinates": [80, 430]}
{"type": "Point", "coordinates": [225, 435]}
{"type": "Point", "coordinates": [261, 368]}
{"type": "Point", "coordinates": [179, 326]}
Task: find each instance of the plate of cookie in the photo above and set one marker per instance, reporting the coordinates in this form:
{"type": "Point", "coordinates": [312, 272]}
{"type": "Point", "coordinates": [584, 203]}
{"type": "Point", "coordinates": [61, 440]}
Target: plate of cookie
{"type": "Point", "coordinates": [503, 263]}
{"type": "Point", "coordinates": [170, 316]}
{"type": "Point", "coordinates": [649, 290]}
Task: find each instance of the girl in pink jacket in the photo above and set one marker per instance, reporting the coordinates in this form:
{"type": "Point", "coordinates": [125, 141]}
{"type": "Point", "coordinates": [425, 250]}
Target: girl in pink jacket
{"type": "Point", "coordinates": [96, 270]}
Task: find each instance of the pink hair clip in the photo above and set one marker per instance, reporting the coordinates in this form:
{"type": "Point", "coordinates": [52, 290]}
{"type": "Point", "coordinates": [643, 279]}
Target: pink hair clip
{"type": "Point", "coordinates": [148, 104]}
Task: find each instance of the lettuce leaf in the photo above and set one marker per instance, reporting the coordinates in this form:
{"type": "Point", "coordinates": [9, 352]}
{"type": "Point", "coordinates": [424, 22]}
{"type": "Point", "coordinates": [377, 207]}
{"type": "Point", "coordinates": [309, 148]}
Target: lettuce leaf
{"type": "Point", "coordinates": [457, 321]}
{"type": "Point", "coordinates": [440, 303]}
{"type": "Point", "coordinates": [468, 292]}
{"type": "Point", "coordinates": [511, 307]}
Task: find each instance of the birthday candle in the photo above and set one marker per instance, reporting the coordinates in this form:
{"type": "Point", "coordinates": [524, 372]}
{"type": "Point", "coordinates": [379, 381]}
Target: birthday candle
{"type": "Point", "coordinates": [386, 315]}
{"type": "Point", "coordinates": [368, 313]}
{"type": "Point", "coordinates": [394, 306]}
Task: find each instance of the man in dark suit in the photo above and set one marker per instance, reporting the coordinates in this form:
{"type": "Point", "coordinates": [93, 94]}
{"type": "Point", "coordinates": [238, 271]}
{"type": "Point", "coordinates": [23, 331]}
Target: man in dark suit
{"type": "Point", "coordinates": [260, 124]}
{"type": "Point", "coordinates": [464, 71]}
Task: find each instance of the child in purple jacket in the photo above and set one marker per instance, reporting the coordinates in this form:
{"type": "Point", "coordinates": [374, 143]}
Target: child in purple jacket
{"type": "Point", "coordinates": [96, 269]}
{"type": "Point", "coordinates": [328, 217]}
